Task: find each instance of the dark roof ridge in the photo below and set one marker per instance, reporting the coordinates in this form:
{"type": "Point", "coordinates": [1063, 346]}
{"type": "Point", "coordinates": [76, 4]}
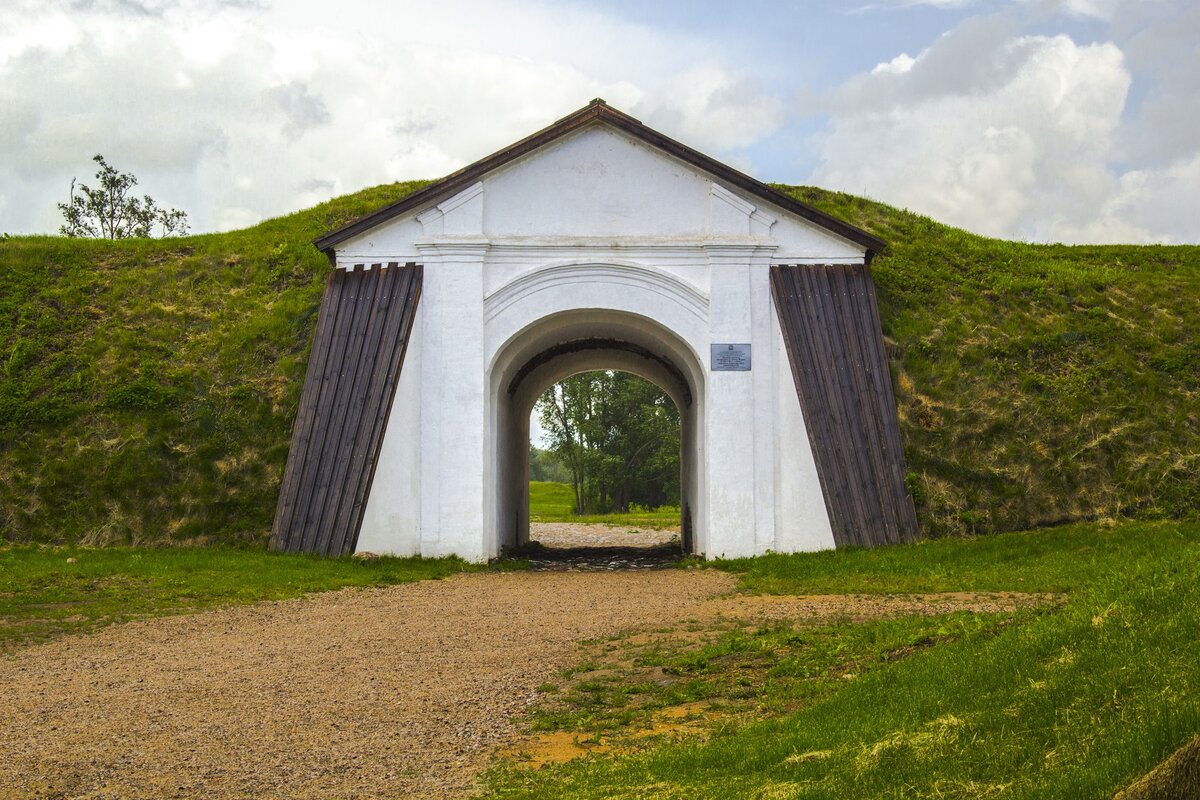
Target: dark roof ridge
{"type": "Point", "coordinates": [599, 110]}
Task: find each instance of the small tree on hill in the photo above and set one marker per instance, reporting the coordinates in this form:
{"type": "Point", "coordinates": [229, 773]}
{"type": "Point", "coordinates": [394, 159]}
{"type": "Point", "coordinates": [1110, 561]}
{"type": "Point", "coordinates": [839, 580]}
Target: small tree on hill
{"type": "Point", "coordinates": [110, 212]}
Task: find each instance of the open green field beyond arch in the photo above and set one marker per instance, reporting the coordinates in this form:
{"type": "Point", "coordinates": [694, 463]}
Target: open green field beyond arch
{"type": "Point", "coordinates": [148, 388]}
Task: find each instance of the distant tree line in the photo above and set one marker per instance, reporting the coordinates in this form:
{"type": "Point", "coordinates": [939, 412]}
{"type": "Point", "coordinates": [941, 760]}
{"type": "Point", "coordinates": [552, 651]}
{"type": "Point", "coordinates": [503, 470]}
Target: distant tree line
{"type": "Point", "coordinates": [544, 465]}
{"type": "Point", "coordinates": [617, 435]}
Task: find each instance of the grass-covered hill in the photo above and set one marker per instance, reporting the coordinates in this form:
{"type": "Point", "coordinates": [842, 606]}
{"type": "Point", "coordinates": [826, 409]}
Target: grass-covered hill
{"type": "Point", "coordinates": [147, 388]}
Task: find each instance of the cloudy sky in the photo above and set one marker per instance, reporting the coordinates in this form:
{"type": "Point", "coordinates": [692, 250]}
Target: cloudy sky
{"type": "Point", "coordinates": [1043, 120]}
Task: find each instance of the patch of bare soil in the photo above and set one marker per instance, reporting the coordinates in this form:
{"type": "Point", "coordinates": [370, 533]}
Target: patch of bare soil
{"type": "Point", "coordinates": [399, 692]}
{"type": "Point", "coordinates": [556, 747]}
{"type": "Point", "coordinates": [855, 607]}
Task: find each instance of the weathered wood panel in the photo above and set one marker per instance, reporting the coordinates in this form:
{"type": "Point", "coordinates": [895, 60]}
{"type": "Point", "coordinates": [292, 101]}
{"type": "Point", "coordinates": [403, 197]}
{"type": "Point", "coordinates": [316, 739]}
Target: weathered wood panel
{"type": "Point", "coordinates": [363, 328]}
{"type": "Point", "coordinates": [830, 322]}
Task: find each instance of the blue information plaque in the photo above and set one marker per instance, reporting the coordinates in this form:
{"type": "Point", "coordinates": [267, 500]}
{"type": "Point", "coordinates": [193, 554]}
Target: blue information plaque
{"type": "Point", "coordinates": [730, 358]}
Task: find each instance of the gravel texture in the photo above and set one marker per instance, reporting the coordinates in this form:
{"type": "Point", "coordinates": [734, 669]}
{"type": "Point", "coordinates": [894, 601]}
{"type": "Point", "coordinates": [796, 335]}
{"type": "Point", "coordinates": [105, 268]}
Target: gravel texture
{"type": "Point", "coordinates": [397, 692]}
{"type": "Point", "coordinates": [576, 534]}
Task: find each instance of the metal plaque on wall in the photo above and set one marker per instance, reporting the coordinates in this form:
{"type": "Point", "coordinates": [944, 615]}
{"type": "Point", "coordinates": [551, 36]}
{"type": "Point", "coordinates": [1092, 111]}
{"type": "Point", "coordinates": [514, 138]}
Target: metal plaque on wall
{"type": "Point", "coordinates": [730, 358]}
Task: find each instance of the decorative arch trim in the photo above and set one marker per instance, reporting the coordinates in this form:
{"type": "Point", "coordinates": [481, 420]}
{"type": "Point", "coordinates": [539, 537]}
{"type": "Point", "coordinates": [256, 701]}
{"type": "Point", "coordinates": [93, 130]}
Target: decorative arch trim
{"type": "Point", "coordinates": [582, 345]}
{"type": "Point", "coordinates": [614, 274]}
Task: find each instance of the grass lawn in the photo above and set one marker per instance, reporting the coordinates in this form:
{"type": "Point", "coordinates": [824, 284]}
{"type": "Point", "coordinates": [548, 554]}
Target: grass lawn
{"type": "Point", "coordinates": [555, 502]}
{"type": "Point", "coordinates": [1070, 701]}
{"type": "Point", "coordinates": [43, 596]}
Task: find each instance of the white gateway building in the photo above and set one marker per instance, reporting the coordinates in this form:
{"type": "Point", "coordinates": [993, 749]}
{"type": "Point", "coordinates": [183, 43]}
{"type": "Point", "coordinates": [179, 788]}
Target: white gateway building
{"type": "Point", "coordinates": [596, 243]}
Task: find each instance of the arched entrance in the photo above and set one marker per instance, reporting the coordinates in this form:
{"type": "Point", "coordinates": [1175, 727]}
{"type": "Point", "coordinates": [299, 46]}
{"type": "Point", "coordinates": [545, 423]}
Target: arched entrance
{"type": "Point", "coordinates": [582, 340]}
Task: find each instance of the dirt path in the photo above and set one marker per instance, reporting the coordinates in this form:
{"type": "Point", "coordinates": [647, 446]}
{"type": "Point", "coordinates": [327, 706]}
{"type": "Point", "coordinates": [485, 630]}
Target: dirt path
{"type": "Point", "coordinates": [575, 534]}
{"type": "Point", "coordinates": [398, 692]}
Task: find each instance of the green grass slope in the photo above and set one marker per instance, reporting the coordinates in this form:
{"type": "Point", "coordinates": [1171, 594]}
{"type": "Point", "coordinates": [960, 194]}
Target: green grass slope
{"type": "Point", "coordinates": [1037, 383]}
{"type": "Point", "coordinates": [147, 389]}
{"type": "Point", "coordinates": [555, 502]}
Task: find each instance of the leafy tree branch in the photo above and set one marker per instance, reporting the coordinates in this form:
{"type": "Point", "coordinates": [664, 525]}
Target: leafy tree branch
{"type": "Point", "coordinates": [110, 211]}
{"type": "Point", "coordinates": [618, 435]}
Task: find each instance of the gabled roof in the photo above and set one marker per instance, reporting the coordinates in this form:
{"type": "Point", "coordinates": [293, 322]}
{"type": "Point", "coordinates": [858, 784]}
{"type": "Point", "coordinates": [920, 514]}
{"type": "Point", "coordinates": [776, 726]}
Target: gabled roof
{"type": "Point", "coordinates": [598, 111]}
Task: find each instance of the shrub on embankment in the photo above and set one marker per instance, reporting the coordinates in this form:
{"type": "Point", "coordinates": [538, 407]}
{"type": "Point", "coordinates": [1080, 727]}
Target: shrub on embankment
{"type": "Point", "coordinates": [147, 388]}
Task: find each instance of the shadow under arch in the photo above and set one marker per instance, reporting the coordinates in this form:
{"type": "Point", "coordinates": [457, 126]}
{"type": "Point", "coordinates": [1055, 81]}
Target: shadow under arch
{"type": "Point", "coordinates": [566, 343]}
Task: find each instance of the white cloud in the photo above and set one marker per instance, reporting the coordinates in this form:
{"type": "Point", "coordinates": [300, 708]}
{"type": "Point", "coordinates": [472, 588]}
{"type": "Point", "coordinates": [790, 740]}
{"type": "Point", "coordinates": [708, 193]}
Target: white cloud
{"type": "Point", "coordinates": [241, 112]}
{"type": "Point", "coordinates": [1161, 205]}
{"type": "Point", "coordinates": [1102, 9]}
{"type": "Point", "coordinates": [897, 66]}
{"type": "Point", "coordinates": [713, 110]}
{"type": "Point", "coordinates": [1166, 52]}
{"type": "Point", "coordinates": [899, 4]}
{"type": "Point", "coordinates": [1006, 135]}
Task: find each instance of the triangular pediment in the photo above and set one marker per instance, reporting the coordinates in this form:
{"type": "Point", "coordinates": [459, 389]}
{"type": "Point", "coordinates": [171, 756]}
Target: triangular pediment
{"type": "Point", "coordinates": [600, 173]}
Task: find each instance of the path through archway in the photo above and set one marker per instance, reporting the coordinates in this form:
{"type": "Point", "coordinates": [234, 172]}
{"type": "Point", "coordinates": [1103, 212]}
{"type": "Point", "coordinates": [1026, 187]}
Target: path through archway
{"type": "Point", "coordinates": [581, 341]}
{"type": "Point", "coordinates": [609, 445]}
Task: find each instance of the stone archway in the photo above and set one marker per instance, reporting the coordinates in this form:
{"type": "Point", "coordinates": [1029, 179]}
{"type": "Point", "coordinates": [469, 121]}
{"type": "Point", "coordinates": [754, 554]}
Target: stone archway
{"type": "Point", "coordinates": [565, 318]}
{"type": "Point", "coordinates": [571, 342]}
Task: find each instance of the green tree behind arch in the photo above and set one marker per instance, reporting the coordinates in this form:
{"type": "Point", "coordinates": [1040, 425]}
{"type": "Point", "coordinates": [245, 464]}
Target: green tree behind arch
{"type": "Point", "coordinates": [618, 434]}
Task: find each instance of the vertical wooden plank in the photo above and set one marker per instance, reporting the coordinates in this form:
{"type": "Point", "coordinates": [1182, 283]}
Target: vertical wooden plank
{"type": "Point", "coordinates": [905, 511]}
{"type": "Point", "coordinates": [815, 390]}
{"type": "Point", "coordinates": [785, 289]}
{"type": "Point", "coordinates": [327, 393]}
{"type": "Point", "coordinates": [356, 416]}
{"type": "Point", "coordinates": [373, 389]}
{"type": "Point", "coordinates": [870, 463]}
{"type": "Point", "coordinates": [336, 446]}
{"type": "Point", "coordinates": [825, 392]}
{"type": "Point", "coordinates": [302, 425]}
{"type": "Point", "coordinates": [881, 408]}
{"type": "Point", "coordinates": [841, 398]}
{"type": "Point", "coordinates": [389, 376]}
{"type": "Point", "coordinates": [361, 354]}
{"type": "Point", "coordinates": [878, 409]}
{"type": "Point", "coordinates": [365, 323]}
{"type": "Point", "coordinates": [325, 429]}
{"type": "Point", "coordinates": [891, 476]}
{"type": "Point", "coordinates": [829, 320]}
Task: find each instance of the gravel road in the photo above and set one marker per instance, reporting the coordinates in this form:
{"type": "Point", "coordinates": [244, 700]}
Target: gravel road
{"type": "Point", "coordinates": [396, 692]}
{"type": "Point", "coordinates": [575, 534]}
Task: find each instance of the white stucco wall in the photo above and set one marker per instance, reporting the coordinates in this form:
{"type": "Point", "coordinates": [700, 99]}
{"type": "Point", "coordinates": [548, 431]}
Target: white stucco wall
{"type": "Point", "coordinates": [596, 235]}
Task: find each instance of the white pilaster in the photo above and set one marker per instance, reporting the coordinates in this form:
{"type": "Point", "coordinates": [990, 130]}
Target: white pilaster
{"type": "Point", "coordinates": [454, 390]}
{"type": "Point", "coordinates": [730, 408]}
{"type": "Point", "coordinates": [764, 419]}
